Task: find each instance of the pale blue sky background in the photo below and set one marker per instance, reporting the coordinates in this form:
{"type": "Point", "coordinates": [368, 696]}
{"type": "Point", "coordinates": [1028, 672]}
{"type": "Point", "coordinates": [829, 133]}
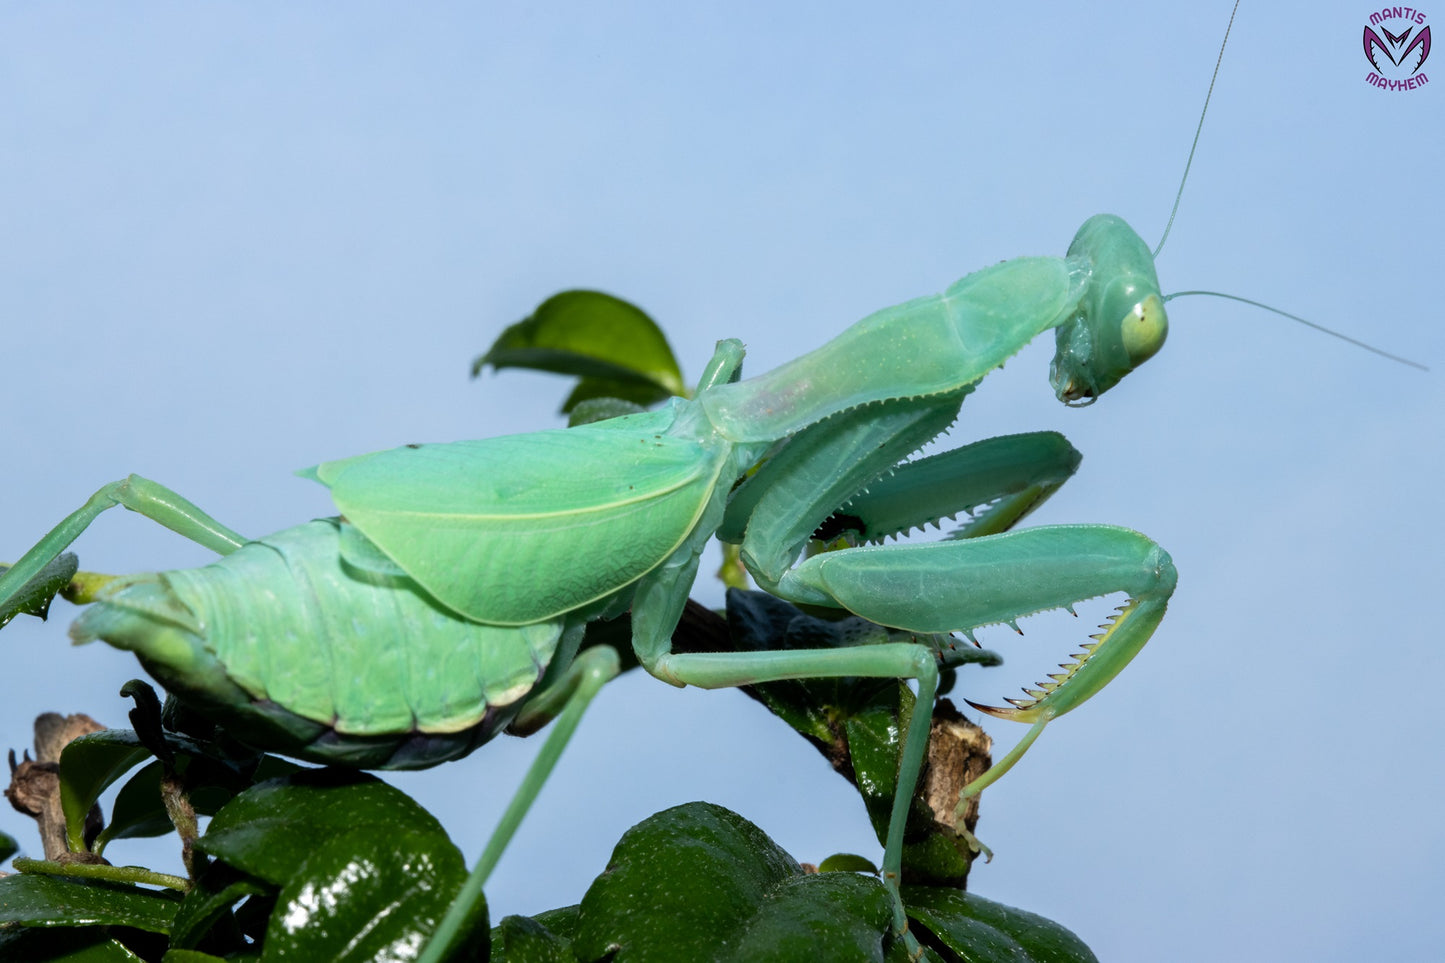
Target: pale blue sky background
{"type": "Point", "coordinates": [239, 239]}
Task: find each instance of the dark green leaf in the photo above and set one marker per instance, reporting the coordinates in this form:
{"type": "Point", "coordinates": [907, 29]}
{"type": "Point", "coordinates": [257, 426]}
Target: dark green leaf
{"type": "Point", "coordinates": [145, 719]}
{"type": "Point", "coordinates": [35, 900]}
{"type": "Point", "coordinates": [89, 765]}
{"type": "Point", "coordinates": [210, 784]}
{"type": "Point", "coordinates": [931, 853]}
{"type": "Point", "coordinates": [599, 409]}
{"type": "Point", "coordinates": [592, 335]}
{"type": "Point", "coordinates": [35, 596]}
{"type": "Point", "coordinates": [561, 921]}
{"type": "Point", "coordinates": [858, 724]}
{"type": "Point", "coordinates": [52, 944]}
{"type": "Point", "coordinates": [983, 931]}
{"type": "Point", "coordinates": [269, 829]}
{"type": "Point", "coordinates": [760, 622]}
{"type": "Point", "coordinates": [520, 939]}
{"type": "Point", "coordinates": [636, 393]}
{"type": "Point", "coordinates": [191, 956]}
{"type": "Point", "coordinates": [847, 863]}
{"type": "Point", "coordinates": [254, 915]}
{"type": "Point", "coordinates": [700, 882]}
{"type": "Point", "coordinates": [211, 898]}
{"type": "Point", "coordinates": [368, 896]}
{"type": "Point", "coordinates": [8, 846]}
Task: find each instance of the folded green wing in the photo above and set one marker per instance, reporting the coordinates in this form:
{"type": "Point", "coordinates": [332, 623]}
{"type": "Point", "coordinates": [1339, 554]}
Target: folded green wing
{"type": "Point", "coordinates": [523, 528]}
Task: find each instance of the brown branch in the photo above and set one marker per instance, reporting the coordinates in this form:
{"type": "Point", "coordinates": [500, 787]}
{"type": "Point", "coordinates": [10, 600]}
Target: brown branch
{"type": "Point", "coordinates": [35, 784]}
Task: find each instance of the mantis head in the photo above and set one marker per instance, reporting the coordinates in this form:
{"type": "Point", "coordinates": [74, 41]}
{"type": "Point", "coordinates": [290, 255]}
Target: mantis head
{"type": "Point", "coordinates": [1120, 322]}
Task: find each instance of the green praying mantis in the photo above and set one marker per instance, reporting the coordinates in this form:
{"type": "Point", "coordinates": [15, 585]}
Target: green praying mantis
{"type": "Point", "coordinates": [478, 578]}
{"type": "Point", "coordinates": [448, 598]}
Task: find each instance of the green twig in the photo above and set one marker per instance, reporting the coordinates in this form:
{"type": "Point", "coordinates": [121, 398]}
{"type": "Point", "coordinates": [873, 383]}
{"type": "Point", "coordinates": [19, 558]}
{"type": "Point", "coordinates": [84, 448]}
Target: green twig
{"type": "Point", "coordinates": [114, 874]}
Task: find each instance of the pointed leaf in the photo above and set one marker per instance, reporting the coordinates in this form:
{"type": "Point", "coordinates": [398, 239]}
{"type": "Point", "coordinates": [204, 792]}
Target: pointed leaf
{"type": "Point", "coordinates": [592, 335]}
{"type": "Point", "coordinates": [88, 766]}
{"type": "Point", "coordinates": [91, 763]}
{"type": "Point", "coordinates": [35, 596]}
{"type": "Point", "coordinates": [35, 900]}
{"type": "Point", "coordinates": [983, 931]}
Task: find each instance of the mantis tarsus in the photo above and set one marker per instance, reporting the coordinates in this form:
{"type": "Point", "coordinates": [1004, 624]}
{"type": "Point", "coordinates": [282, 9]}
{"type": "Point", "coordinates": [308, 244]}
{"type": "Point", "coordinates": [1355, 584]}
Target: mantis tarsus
{"type": "Point", "coordinates": [756, 339]}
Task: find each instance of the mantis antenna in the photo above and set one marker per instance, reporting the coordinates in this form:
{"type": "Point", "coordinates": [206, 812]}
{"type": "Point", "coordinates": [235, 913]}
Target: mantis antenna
{"type": "Point", "coordinates": [1234, 297]}
{"type": "Point", "coordinates": [1197, 130]}
{"type": "Point", "coordinates": [1294, 317]}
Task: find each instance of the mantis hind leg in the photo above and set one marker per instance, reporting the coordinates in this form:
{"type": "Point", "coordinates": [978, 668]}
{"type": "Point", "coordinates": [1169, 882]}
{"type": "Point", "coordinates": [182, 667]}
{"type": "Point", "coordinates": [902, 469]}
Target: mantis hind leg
{"type": "Point", "coordinates": [589, 672]}
{"type": "Point", "coordinates": [138, 494]}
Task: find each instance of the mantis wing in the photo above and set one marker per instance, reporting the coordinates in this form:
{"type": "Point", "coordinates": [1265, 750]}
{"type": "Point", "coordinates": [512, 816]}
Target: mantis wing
{"type": "Point", "coordinates": [524, 528]}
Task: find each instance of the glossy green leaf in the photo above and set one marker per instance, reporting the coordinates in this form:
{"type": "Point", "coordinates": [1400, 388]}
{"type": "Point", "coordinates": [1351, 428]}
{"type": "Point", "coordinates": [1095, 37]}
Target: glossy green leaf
{"type": "Point", "coordinates": [366, 896]}
{"type": "Point", "coordinates": [983, 931]}
{"type": "Point", "coordinates": [36, 900]}
{"type": "Point", "coordinates": [591, 335]}
{"type": "Point", "coordinates": [192, 956]}
{"type": "Point", "coordinates": [35, 596]}
{"type": "Point", "coordinates": [88, 766]}
{"type": "Point", "coordinates": [700, 882]}
{"type": "Point", "coordinates": [269, 829]}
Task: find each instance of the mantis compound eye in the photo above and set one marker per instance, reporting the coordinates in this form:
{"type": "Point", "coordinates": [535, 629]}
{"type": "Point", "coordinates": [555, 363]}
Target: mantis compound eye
{"type": "Point", "coordinates": [1144, 329]}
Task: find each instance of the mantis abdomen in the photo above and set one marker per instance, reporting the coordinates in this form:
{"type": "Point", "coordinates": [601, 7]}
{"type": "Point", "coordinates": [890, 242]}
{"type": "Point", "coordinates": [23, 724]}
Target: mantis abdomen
{"type": "Point", "coordinates": [342, 664]}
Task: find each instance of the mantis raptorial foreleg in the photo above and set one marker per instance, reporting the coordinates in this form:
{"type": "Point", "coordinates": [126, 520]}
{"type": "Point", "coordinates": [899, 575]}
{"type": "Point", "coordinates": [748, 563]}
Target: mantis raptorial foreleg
{"type": "Point", "coordinates": [963, 585]}
{"type": "Point", "coordinates": [993, 483]}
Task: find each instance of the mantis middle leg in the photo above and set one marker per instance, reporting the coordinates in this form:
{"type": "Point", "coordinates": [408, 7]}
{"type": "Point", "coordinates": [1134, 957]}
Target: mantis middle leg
{"type": "Point", "coordinates": [566, 701]}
